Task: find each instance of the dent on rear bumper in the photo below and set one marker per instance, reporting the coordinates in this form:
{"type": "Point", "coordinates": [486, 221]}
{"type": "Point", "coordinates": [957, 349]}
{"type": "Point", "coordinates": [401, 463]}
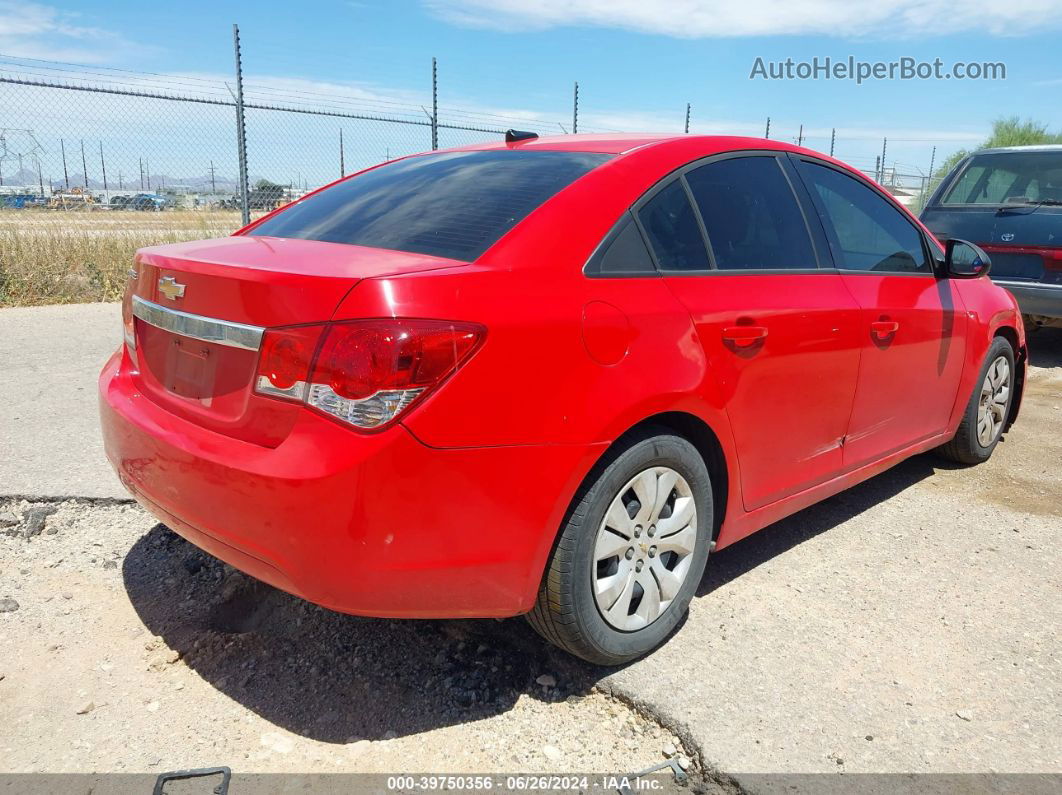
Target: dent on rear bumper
{"type": "Point", "coordinates": [372, 524]}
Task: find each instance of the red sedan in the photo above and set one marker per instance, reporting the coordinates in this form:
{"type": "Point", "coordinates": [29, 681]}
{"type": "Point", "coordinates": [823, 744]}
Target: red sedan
{"type": "Point", "coordinates": [548, 375]}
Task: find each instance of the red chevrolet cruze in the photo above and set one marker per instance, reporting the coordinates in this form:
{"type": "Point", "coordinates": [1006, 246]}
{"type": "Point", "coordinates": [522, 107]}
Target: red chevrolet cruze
{"type": "Point", "coordinates": [548, 375]}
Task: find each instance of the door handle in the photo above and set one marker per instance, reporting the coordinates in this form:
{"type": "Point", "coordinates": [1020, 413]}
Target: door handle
{"type": "Point", "coordinates": [883, 328]}
{"type": "Point", "coordinates": [744, 336]}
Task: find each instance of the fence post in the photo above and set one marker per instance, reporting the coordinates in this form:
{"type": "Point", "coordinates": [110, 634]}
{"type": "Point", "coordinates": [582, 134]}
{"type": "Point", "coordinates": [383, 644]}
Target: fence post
{"type": "Point", "coordinates": [833, 139]}
{"type": "Point", "coordinates": [241, 130]}
{"type": "Point", "coordinates": [103, 168]}
{"type": "Point", "coordinates": [66, 174]}
{"type": "Point", "coordinates": [687, 117]}
{"type": "Point", "coordinates": [767, 132]}
{"type": "Point", "coordinates": [434, 104]}
{"type": "Point", "coordinates": [84, 166]}
{"type": "Point", "coordinates": [884, 145]}
{"type": "Point", "coordinates": [575, 109]}
{"type": "Point", "coordinates": [342, 166]}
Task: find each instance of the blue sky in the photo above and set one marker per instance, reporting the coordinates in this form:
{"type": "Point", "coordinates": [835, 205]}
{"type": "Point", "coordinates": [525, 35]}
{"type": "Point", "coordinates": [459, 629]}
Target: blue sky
{"type": "Point", "coordinates": [637, 62]}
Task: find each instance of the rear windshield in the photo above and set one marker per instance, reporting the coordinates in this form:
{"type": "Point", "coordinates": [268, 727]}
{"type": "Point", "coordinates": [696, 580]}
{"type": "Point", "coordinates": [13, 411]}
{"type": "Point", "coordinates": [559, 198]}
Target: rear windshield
{"type": "Point", "coordinates": [1009, 178]}
{"type": "Point", "coordinates": [455, 204]}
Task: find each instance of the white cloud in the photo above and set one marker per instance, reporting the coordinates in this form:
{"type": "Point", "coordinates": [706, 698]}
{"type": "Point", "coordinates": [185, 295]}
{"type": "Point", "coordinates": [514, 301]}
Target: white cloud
{"type": "Point", "coordinates": [725, 18]}
{"type": "Point", "coordinates": [32, 30]}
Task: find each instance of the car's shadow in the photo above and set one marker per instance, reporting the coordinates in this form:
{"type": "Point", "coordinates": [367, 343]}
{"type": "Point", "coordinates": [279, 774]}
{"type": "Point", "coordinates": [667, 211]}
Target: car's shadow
{"type": "Point", "coordinates": [338, 678]}
{"type": "Point", "coordinates": [1045, 347]}
{"type": "Point", "coordinates": [759, 548]}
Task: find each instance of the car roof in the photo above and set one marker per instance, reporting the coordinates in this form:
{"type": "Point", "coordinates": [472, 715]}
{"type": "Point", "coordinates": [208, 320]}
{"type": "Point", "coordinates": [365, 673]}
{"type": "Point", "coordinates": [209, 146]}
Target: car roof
{"type": "Point", "coordinates": [622, 143]}
{"type": "Point", "coordinates": [1033, 148]}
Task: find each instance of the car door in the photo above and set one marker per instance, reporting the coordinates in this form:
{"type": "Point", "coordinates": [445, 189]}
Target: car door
{"type": "Point", "coordinates": [778, 332]}
{"type": "Point", "coordinates": [913, 324]}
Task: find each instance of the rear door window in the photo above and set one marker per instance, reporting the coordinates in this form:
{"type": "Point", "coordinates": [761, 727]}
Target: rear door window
{"type": "Point", "coordinates": [671, 227]}
{"type": "Point", "coordinates": [624, 254]}
{"type": "Point", "coordinates": [751, 215]}
{"type": "Point", "coordinates": [453, 204]}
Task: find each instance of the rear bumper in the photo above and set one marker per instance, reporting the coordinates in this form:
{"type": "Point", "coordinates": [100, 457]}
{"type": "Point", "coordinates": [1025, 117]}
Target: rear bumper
{"type": "Point", "coordinates": [371, 524]}
{"type": "Point", "coordinates": [1036, 299]}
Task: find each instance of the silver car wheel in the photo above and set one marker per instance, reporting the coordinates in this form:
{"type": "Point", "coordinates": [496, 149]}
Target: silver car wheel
{"type": "Point", "coordinates": [644, 548]}
{"type": "Point", "coordinates": [993, 403]}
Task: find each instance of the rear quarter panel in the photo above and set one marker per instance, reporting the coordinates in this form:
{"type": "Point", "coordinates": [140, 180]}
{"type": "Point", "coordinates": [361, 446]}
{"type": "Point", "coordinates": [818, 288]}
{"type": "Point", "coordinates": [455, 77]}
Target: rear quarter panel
{"type": "Point", "coordinates": [534, 380]}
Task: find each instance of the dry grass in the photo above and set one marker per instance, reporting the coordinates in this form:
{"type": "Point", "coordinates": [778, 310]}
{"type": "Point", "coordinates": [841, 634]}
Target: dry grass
{"type": "Point", "coordinates": [50, 257]}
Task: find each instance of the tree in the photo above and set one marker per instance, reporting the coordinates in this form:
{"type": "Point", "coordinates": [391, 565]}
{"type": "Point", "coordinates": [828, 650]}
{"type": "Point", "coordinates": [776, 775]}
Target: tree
{"type": "Point", "coordinates": [1010, 131]}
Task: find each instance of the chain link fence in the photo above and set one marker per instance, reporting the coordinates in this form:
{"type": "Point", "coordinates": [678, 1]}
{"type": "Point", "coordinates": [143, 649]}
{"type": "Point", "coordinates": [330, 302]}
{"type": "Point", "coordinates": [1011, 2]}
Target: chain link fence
{"type": "Point", "coordinates": [75, 147]}
{"type": "Point", "coordinates": [135, 143]}
{"type": "Point", "coordinates": [137, 159]}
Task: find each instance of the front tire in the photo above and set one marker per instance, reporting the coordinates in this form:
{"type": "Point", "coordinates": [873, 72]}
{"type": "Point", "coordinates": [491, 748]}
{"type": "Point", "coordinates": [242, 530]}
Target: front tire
{"type": "Point", "coordinates": [986, 414]}
{"type": "Point", "coordinates": [631, 554]}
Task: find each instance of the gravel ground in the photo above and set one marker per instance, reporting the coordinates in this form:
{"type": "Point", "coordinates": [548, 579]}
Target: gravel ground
{"type": "Point", "coordinates": [123, 648]}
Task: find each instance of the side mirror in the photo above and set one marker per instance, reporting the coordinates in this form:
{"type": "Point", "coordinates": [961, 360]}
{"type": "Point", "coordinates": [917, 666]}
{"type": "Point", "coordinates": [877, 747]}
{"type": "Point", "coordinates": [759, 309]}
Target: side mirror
{"type": "Point", "coordinates": [964, 260]}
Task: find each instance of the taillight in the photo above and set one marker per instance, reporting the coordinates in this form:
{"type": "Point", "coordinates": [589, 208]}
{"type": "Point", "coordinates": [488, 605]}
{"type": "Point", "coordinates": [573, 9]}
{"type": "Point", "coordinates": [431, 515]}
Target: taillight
{"type": "Point", "coordinates": [129, 322]}
{"type": "Point", "coordinates": [1053, 260]}
{"type": "Point", "coordinates": [363, 372]}
{"type": "Point", "coordinates": [285, 359]}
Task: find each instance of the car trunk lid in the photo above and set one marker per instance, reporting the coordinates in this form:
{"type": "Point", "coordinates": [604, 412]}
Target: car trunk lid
{"type": "Point", "coordinates": [200, 309]}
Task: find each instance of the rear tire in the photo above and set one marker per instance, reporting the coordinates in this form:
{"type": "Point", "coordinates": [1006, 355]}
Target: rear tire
{"type": "Point", "coordinates": [623, 572]}
{"type": "Point", "coordinates": [986, 414]}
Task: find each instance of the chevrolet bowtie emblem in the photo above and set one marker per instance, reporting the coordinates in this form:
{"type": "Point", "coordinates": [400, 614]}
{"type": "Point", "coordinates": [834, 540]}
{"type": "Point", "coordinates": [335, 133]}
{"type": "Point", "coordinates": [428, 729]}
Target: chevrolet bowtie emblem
{"type": "Point", "coordinates": [169, 287]}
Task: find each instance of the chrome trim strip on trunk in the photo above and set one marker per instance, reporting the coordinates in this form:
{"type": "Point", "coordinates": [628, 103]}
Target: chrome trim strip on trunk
{"type": "Point", "coordinates": [197, 327]}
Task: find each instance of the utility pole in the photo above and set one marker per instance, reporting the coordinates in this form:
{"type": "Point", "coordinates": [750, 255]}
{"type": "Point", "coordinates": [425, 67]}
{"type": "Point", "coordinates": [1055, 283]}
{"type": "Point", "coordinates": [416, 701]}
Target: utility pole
{"type": "Point", "coordinates": [833, 139]}
{"type": "Point", "coordinates": [147, 167]}
{"type": "Point", "coordinates": [342, 166]}
{"type": "Point", "coordinates": [241, 130]}
{"type": "Point", "coordinates": [141, 173]}
{"type": "Point", "coordinates": [687, 118]}
{"type": "Point", "coordinates": [40, 176]}
{"type": "Point", "coordinates": [434, 104]}
{"type": "Point", "coordinates": [66, 174]}
{"type": "Point", "coordinates": [575, 110]}
{"type": "Point", "coordinates": [213, 184]}
{"type": "Point", "coordinates": [103, 167]}
{"type": "Point", "coordinates": [767, 132]}
{"type": "Point", "coordinates": [84, 166]}
{"type": "Point", "coordinates": [121, 186]}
